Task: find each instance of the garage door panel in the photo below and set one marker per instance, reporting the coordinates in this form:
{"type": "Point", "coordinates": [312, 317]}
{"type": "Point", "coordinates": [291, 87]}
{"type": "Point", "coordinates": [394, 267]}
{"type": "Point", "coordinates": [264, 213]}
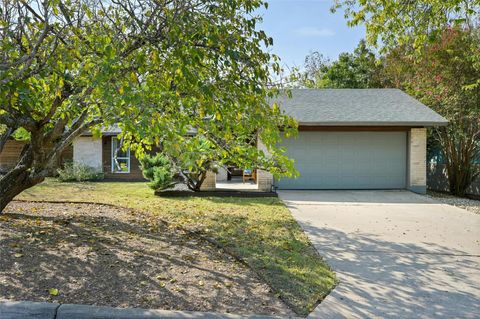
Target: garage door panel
{"type": "Point", "coordinates": [347, 160]}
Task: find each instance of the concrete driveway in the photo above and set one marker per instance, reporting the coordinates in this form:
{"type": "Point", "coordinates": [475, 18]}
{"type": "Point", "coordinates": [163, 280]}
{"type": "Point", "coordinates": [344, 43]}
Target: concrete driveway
{"type": "Point", "coordinates": [396, 254]}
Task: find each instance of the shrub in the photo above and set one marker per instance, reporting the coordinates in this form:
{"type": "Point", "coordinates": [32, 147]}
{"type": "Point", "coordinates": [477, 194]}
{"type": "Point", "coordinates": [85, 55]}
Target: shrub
{"type": "Point", "coordinates": [159, 170]}
{"type": "Point", "coordinates": [78, 172]}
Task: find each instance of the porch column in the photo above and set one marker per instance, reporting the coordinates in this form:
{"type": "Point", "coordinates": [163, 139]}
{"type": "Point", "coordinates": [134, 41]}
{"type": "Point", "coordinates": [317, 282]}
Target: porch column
{"type": "Point", "coordinates": [417, 160]}
{"type": "Point", "coordinates": [264, 178]}
{"type": "Point", "coordinates": [209, 183]}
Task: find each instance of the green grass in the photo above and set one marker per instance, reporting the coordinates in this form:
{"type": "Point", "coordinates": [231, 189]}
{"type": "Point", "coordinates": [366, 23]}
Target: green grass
{"type": "Point", "coordinates": [260, 231]}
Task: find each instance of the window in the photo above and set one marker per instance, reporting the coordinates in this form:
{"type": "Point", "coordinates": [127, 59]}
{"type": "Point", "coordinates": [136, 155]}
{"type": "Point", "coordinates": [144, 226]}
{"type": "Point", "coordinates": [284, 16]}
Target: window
{"type": "Point", "coordinates": [122, 163]}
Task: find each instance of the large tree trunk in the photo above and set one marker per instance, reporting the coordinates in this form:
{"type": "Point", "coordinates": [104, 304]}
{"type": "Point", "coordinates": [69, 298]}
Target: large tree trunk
{"type": "Point", "coordinates": [40, 156]}
{"type": "Point", "coordinates": [15, 182]}
{"type": "Point", "coordinates": [17, 179]}
{"type": "Point", "coordinates": [30, 170]}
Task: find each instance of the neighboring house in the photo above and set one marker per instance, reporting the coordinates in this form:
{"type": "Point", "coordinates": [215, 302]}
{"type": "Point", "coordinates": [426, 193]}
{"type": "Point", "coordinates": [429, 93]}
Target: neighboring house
{"type": "Point", "coordinates": [348, 139]}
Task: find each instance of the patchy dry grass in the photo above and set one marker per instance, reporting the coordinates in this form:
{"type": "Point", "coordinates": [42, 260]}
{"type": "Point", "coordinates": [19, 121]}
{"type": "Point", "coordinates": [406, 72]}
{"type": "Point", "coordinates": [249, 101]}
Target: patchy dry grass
{"type": "Point", "coordinates": [111, 256]}
{"type": "Point", "coordinates": [260, 231]}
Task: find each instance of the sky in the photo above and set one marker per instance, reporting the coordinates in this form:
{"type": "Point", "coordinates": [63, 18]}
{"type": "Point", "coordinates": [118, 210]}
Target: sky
{"type": "Point", "coordinates": [299, 27]}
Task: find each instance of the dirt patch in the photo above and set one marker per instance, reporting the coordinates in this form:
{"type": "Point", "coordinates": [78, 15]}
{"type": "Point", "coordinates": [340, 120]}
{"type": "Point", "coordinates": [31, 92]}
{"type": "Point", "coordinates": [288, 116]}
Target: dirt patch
{"type": "Point", "coordinates": [102, 255]}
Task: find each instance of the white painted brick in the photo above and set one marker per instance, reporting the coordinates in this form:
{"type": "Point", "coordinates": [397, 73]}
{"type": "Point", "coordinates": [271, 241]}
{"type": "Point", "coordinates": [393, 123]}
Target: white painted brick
{"type": "Point", "coordinates": [88, 151]}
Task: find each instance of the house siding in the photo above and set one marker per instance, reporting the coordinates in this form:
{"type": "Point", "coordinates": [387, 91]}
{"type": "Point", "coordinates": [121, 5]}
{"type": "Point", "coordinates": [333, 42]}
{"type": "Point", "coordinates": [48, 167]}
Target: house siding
{"type": "Point", "coordinates": [12, 150]}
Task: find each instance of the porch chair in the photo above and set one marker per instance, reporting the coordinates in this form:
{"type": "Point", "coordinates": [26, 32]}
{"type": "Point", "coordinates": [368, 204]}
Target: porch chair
{"type": "Point", "coordinates": [249, 174]}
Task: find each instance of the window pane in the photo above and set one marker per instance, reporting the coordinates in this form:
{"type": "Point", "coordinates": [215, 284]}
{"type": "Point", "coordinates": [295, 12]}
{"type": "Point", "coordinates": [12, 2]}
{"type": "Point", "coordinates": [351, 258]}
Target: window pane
{"type": "Point", "coordinates": [121, 152]}
{"type": "Point", "coordinates": [122, 162]}
{"type": "Point", "coordinates": [121, 165]}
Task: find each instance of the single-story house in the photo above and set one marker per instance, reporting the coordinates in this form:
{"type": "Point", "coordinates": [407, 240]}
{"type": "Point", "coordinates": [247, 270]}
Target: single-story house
{"type": "Point", "coordinates": [348, 139]}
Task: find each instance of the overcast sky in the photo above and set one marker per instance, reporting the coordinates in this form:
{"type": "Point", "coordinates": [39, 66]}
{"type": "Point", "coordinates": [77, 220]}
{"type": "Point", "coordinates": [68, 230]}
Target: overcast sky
{"type": "Point", "coordinates": [299, 27]}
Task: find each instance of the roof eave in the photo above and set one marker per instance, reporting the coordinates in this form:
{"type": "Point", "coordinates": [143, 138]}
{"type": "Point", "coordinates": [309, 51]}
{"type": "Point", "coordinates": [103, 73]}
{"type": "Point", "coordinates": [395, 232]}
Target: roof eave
{"type": "Point", "coordinates": [354, 123]}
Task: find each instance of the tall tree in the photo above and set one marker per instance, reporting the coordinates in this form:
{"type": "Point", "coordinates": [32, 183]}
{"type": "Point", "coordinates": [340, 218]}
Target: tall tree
{"type": "Point", "coordinates": [360, 69]}
{"type": "Point", "coordinates": [443, 77]}
{"type": "Point", "coordinates": [409, 21]}
{"type": "Point", "coordinates": [157, 68]}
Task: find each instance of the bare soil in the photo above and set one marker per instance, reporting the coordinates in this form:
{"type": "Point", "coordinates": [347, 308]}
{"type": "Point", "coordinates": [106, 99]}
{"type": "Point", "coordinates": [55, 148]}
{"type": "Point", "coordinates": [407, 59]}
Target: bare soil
{"type": "Point", "coordinates": [103, 255]}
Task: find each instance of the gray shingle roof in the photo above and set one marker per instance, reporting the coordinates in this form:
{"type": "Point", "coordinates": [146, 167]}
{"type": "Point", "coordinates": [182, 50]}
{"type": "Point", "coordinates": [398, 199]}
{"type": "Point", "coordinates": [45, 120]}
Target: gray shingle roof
{"type": "Point", "coordinates": [112, 130]}
{"type": "Point", "coordinates": [357, 107]}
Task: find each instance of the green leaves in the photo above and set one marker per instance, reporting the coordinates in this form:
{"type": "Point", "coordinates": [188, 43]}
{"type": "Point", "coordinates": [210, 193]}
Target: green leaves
{"type": "Point", "coordinates": [444, 76]}
{"type": "Point", "coordinates": [53, 292]}
{"type": "Point", "coordinates": [395, 23]}
{"type": "Point", "coordinates": [159, 170]}
{"type": "Point", "coordinates": [358, 70]}
{"type": "Point", "coordinates": [160, 71]}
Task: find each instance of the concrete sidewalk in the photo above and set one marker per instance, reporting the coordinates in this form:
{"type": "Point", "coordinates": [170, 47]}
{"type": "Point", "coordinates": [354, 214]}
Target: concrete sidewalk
{"type": "Point", "coordinates": [44, 310]}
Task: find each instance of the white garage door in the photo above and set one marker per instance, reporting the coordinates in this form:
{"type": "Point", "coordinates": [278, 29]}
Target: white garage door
{"type": "Point", "coordinates": [347, 160]}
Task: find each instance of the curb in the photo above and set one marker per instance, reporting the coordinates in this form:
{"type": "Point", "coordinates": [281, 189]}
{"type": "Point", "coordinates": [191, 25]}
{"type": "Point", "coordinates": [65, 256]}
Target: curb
{"type": "Point", "coordinates": [44, 310]}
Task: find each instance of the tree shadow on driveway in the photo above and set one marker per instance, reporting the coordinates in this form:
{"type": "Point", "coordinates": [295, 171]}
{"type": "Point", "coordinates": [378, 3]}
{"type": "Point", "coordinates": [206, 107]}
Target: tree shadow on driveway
{"type": "Point", "coordinates": [380, 278]}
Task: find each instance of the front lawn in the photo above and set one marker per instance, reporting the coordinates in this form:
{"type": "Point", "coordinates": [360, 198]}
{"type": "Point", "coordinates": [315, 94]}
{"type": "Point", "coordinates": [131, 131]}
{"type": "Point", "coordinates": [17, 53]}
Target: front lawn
{"type": "Point", "coordinates": [259, 231]}
{"type": "Point", "coordinates": [104, 255]}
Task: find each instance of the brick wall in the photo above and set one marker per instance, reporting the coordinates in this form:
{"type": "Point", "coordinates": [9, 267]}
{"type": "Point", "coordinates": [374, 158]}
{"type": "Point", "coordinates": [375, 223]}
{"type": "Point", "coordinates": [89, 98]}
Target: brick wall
{"type": "Point", "coordinates": [417, 163]}
{"type": "Point", "coordinates": [10, 154]}
{"type": "Point", "coordinates": [264, 180]}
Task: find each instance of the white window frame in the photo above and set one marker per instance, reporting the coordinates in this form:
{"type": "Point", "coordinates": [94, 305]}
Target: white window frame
{"type": "Point", "coordinates": [112, 157]}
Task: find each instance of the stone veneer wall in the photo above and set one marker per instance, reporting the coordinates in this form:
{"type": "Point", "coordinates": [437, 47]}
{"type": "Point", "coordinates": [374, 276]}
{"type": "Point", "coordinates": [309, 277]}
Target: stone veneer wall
{"type": "Point", "coordinates": [210, 182]}
{"type": "Point", "coordinates": [417, 160]}
{"type": "Point", "coordinates": [264, 178]}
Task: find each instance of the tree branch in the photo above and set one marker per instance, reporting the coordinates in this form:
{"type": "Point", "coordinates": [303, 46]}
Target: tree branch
{"type": "Point", "coordinates": [5, 136]}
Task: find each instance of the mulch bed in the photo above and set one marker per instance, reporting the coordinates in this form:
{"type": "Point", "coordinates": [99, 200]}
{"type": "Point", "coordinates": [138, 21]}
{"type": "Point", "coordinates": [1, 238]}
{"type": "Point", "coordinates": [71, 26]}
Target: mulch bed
{"type": "Point", "coordinates": [103, 255]}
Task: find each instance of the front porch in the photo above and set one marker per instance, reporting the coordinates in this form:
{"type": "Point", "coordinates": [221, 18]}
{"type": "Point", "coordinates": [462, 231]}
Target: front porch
{"type": "Point", "coordinates": [257, 181]}
{"type": "Point", "coordinates": [236, 184]}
